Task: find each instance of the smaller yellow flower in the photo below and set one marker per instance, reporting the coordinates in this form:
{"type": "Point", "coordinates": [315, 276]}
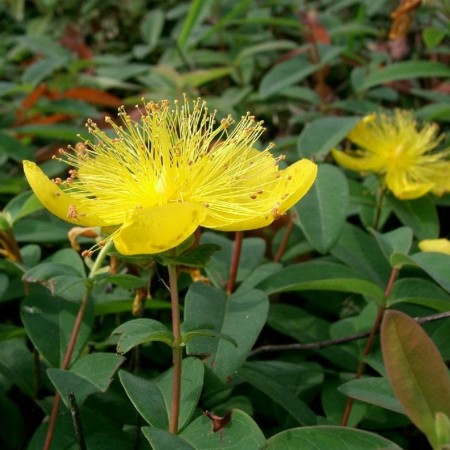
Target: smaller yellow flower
{"type": "Point", "coordinates": [394, 147]}
{"type": "Point", "coordinates": [156, 179]}
{"type": "Point", "coordinates": [435, 245]}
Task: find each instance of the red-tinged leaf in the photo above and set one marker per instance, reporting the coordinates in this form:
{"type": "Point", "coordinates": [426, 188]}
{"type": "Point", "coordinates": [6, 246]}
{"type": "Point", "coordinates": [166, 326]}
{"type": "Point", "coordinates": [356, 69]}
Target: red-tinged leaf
{"type": "Point", "coordinates": [92, 95]}
{"type": "Point", "coordinates": [32, 98]}
{"type": "Point", "coordinates": [53, 118]}
{"type": "Point", "coordinates": [416, 371]}
{"type": "Point", "coordinates": [29, 101]}
{"type": "Point", "coordinates": [74, 40]}
{"type": "Point", "coordinates": [314, 32]}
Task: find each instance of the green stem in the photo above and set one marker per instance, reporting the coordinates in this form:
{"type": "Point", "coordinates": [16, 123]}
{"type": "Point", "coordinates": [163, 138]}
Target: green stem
{"type": "Point", "coordinates": [73, 339]}
{"type": "Point", "coordinates": [176, 350]}
{"type": "Point", "coordinates": [369, 343]}
{"type": "Point", "coordinates": [379, 206]}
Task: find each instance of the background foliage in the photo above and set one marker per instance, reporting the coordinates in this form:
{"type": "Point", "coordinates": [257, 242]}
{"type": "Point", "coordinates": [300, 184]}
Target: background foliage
{"type": "Point", "coordinates": [311, 70]}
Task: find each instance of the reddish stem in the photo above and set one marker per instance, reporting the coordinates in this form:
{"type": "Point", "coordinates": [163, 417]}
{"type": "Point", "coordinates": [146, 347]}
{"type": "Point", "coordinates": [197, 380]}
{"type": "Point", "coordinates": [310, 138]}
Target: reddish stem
{"type": "Point", "coordinates": [72, 341]}
{"type": "Point", "coordinates": [235, 261]}
{"type": "Point", "coordinates": [369, 344]}
{"type": "Point", "coordinates": [285, 240]}
{"type": "Point", "coordinates": [65, 365]}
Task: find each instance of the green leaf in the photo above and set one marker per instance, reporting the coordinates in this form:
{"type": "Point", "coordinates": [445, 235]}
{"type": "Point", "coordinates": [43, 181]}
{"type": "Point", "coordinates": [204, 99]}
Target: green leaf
{"type": "Point", "coordinates": [334, 403]}
{"type": "Point", "coordinates": [396, 241]}
{"type": "Point", "coordinates": [125, 280]}
{"type": "Point", "coordinates": [322, 212]}
{"type": "Point", "coordinates": [433, 263]}
{"type": "Point", "coordinates": [198, 78]}
{"type": "Point", "coordinates": [416, 371]}
{"type": "Point", "coordinates": [147, 398]}
{"type": "Point", "coordinates": [404, 70]}
{"type": "Point", "coordinates": [140, 331]}
{"type": "Point", "coordinates": [151, 27]}
{"type": "Point", "coordinates": [294, 70]}
{"type": "Point", "coordinates": [163, 440]}
{"type": "Point", "coordinates": [89, 374]}
{"type": "Point", "coordinates": [16, 364]}
{"type": "Point", "coordinates": [14, 148]}
{"type": "Point", "coordinates": [152, 398]}
{"type": "Point", "coordinates": [218, 268]}
{"type": "Point", "coordinates": [328, 437]}
{"type": "Point", "coordinates": [279, 393]}
{"type": "Point", "coordinates": [49, 322]}
{"type": "Point", "coordinates": [13, 424]}
{"type": "Point", "coordinates": [419, 292]}
{"type": "Point", "coordinates": [197, 257]}
{"type": "Point", "coordinates": [264, 48]}
{"type": "Point", "coordinates": [240, 316]}
{"type": "Point", "coordinates": [22, 205]}
{"type": "Point", "coordinates": [100, 431]}
{"type": "Point", "coordinates": [297, 323]}
{"type": "Point", "coordinates": [4, 283]}
{"type": "Point", "coordinates": [56, 131]}
{"type": "Point", "coordinates": [63, 274]}
{"type": "Point", "coordinates": [359, 250]}
{"type": "Point", "coordinates": [323, 134]}
{"type": "Point", "coordinates": [419, 214]}
{"type": "Point", "coordinates": [46, 230]}
{"type": "Point", "coordinates": [322, 276]}
{"type": "Point", "coordinates": [41, 69]}
{"type": "Point", "coordinates": [240, 433]}
{"type": "Point", "coordinates": [376, 391]}
{"type": "Point", "coordinates": [186, 337]}
{"type": "Point", "coordinates": [258, 275]}
{"type": "Point", "coordinates": [433, 36]}
{"type": "Point", "coordinates": [197, 11]}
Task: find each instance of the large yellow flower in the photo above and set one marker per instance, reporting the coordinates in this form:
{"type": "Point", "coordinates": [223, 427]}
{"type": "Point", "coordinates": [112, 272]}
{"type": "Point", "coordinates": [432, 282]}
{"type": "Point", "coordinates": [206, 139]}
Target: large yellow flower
{"type": "Point", "coordinates": [394, 147]}
{"type": "Point", "coordinates": [173, 169]}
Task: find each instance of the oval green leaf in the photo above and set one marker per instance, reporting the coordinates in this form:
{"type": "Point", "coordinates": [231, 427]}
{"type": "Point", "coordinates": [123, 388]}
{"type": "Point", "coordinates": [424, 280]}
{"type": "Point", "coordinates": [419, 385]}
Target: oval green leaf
{"type": "Point", "coordinates": [322, 212]}
{"type": "Point", "coordinates": [328, 437]}
{"type": "Point", "coordinates": [404, 70]}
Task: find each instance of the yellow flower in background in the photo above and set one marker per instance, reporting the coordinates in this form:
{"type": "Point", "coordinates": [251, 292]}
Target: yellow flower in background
{"type": "Point", "coordinates": [395, 147]}
{"type": "Point", "coordinates": [173, 169]}
{"type": "Point", "coordinates": [435, 245]}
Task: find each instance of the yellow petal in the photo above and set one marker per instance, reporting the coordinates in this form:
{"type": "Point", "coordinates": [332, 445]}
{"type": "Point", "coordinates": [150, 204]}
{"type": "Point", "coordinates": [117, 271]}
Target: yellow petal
{"type": "Point", "coordinates": [435, 245]}
{"type": "Point", "coordinates": [298, 179]}
{"type": "Point", "coordinates": [402, 188]}
{"type": "Point", "coordinates": [61, 204]}
{"type": "Point", "coordinates": [357, 163]}
{"type": "Point", "coordinates": [154, 230]}
{"type": "Point", "coordinates": [286, 190]}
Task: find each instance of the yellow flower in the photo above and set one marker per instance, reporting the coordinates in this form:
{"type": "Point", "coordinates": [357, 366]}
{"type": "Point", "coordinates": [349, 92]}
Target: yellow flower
{"type": "Point", "coordinates": [173, 169]}
{"type": "Point", "coordinates": [435, 245]}
{"type": "Point", "coordinates": [394, 147]}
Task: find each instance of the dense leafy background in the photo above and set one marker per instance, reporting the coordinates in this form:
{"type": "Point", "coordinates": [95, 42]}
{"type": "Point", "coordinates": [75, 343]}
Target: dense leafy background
{"type": "Point", "coordinates": [310, 69]}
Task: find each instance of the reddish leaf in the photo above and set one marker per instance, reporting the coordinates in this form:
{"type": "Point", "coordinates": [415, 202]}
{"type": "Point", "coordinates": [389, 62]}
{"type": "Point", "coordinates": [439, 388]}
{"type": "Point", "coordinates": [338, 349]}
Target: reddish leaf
{"type": "Point", "coordinates": [314, 32]}
{"type": "Point", "coordinates": [53, 118]}
{"type": "Point", "coordinates": [402, 18]}
{"type": "Point", "coordinates": [74, 41]}
{"type": "Point", "coordinates": [92, 95]}
{"type": "Point", "coordinates": [416, 371]}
